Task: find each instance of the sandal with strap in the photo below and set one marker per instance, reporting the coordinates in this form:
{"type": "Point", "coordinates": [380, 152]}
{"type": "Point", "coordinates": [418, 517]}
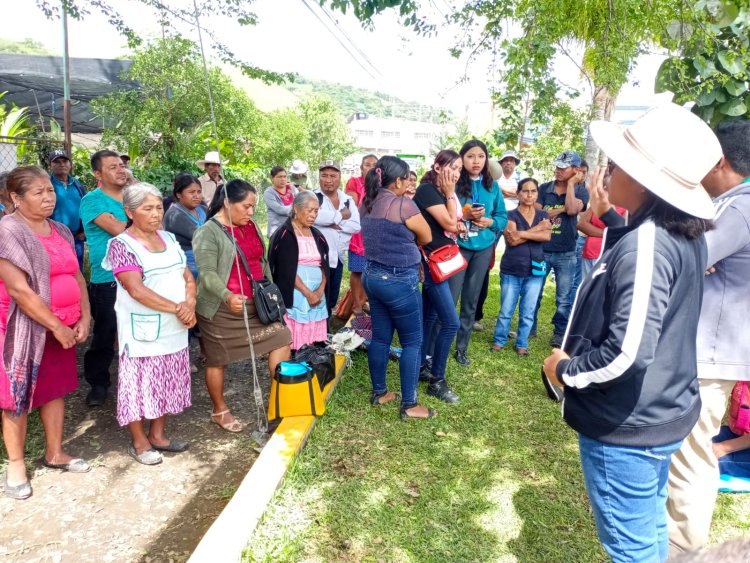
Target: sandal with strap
{"type": "Point", "coordinates": [375, 399]}
{"type": "Point", "coordinates": [233, 426]}
{"type": "Point", "coordinates": [431, 413]}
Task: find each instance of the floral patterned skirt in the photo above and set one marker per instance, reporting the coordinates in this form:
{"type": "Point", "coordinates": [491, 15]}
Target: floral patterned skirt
{"type": "Point", "coordinates": [152, 386]}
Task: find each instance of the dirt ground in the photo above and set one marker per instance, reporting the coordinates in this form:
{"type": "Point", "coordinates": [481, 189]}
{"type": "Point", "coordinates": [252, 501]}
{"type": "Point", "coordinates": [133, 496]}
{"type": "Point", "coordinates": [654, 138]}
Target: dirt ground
{"type": "Point", "coordinates": [123, 511]}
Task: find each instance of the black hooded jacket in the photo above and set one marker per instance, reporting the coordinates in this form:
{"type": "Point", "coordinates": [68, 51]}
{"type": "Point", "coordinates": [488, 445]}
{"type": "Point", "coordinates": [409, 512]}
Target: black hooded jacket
{"type": "Point", "coordinates": [632, 376]}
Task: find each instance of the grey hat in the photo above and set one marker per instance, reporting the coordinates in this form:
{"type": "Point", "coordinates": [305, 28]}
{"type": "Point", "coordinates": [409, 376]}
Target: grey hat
{"type": "Point", "coordinates": [330, 164]}
{"type": "Point", "coordinates": [510, 153]}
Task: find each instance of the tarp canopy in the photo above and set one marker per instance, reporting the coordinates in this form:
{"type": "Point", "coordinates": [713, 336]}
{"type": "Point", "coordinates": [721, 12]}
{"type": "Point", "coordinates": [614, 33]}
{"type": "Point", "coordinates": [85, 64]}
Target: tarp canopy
{"type": "Point", "coordinates": [36, 82]}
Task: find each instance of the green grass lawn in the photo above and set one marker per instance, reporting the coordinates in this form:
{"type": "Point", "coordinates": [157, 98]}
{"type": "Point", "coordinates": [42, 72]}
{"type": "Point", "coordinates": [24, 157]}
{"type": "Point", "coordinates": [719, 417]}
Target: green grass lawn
{"type": "Point", "coordinates": [495, 478]}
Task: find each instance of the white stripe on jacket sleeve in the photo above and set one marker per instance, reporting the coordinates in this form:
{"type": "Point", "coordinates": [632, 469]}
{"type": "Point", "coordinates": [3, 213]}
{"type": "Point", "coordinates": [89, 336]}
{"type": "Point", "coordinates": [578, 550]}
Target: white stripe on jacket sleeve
{"type": "Point", "coordinates": [644, 270]}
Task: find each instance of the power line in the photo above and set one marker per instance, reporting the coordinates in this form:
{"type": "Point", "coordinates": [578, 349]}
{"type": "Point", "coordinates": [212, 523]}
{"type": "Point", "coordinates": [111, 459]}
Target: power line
{"type": "Point", "coordinates": [351, 41]}
{"type": "Point", "coordinates": [346, 48]}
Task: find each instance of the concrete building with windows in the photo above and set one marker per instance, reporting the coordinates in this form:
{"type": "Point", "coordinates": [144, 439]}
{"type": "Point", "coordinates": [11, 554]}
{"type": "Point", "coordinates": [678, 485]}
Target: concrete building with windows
{"type": "Point", "coordinates": [389, 135]}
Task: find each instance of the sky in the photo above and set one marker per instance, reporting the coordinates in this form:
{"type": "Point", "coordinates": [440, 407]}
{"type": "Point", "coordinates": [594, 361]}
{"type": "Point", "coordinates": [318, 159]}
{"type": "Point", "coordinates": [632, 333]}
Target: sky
{"type": "Point", "coordinates": [289, 38]}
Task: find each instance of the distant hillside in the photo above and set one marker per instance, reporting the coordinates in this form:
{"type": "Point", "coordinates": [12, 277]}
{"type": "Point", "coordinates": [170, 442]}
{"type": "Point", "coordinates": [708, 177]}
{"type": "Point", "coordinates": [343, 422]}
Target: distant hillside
{"type": "Point", "coordinates": [350, 100]}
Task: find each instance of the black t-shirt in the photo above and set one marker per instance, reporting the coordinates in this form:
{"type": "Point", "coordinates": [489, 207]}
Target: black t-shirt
{"type": "Point", "coordinates": [564, 226]}
{"type": "Point", "coordinates": [516, 260]}
{"type": "Point", "coordinates": [428, 195]}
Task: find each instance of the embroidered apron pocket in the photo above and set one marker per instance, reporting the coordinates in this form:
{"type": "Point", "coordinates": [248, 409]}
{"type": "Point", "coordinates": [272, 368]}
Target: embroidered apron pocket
{"type": "Point", "coordinates": [145, 327]}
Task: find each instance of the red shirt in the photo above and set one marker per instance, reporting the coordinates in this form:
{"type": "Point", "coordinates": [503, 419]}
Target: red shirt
{"type": "Point", "coordinates": [357, 186]}
{"type": "Point", "coordinates": [249, 243]}
{"type": "Point", "coordinates": [592, 248]}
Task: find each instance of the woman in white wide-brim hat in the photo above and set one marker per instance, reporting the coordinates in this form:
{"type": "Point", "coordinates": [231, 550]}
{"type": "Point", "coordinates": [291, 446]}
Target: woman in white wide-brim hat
{"type": "Point", "coordinates": [628, 363]}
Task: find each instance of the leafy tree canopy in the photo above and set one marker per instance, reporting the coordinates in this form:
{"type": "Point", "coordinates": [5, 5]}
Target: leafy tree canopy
{"type": "Point", "coordinates": [711, 62]}
{"type": "Point", "coordinates": [24, 47]}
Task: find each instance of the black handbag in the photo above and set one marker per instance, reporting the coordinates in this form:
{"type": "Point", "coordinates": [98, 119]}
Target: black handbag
{"type": "Point", "coordinates": [269, 304]}
{"type": "Point", "coordinates": [321, 358]}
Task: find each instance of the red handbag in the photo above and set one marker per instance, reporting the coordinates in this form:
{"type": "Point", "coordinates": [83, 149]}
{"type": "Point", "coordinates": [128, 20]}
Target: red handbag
{"type": "Point", "coordinates": [444, 262]}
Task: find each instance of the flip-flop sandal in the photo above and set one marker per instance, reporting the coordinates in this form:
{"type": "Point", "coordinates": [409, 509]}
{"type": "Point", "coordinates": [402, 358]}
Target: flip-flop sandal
{"type": "Point", "coordinates": [431, 413]}
{"type": "Point", "coordinates": [149, 457]}
{"type": "Point", "coordinates": [17, 492]}
{"type": "Point", "coordinates": [375, 399]}
{"type": "Point", "coordinates": [73, 466]}
{"type": "Point", "coordinates": [234, 426]}
{"type": "Point", "coordinates": [174, 446]}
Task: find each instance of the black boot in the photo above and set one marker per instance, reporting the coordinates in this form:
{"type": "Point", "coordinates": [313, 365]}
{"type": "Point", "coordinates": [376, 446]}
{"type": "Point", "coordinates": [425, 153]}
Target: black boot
{"type": "Point", "coordinates": [424, 372]}
{"type": "Point", "coordinates": [439, 388]}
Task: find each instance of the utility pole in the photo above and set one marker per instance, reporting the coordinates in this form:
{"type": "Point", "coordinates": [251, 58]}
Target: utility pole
{"type": "Point", "coordinates": [67, 122]}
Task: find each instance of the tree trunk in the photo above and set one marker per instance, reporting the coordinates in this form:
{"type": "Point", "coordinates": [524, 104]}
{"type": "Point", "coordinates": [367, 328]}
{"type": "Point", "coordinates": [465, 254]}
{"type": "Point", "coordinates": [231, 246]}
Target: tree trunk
{"type": "Point", "coordinates": [602, 107]}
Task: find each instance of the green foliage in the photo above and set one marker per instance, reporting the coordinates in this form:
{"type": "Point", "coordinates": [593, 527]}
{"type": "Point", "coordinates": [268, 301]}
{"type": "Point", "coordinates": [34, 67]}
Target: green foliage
{"type": "Point", "coordinates": [24, 47]}
{"type": "Point", "coordinates": [564, 130]}
{"type": "Point", "coordinates": [14, 121]}
{"type": "Point", "coordinates": [350, 100]}
{"type": "Point", "coordinates": [326, 133]}
{"type": "Point", "coordinates": [711, 68]}
{"type": "Point", "coordinates": [167, 118]}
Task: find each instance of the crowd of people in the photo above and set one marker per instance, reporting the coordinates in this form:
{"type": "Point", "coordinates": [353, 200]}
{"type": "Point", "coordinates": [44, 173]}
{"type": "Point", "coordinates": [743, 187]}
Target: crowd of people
{"type": "Point", "coordinates": [644, 369]}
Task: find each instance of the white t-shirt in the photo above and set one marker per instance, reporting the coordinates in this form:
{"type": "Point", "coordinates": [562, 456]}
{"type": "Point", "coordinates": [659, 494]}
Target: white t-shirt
{"type": "Point", "coordinates": [509, 184]}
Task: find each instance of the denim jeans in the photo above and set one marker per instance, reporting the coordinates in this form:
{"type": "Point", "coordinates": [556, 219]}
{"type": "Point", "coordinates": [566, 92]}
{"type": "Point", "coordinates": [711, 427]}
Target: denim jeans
{"type": "Point", "coordinates": [736, 464]}
{"type": "Point", "coordinates": [586, 266]}
{"type": "Point", "coordinates": [438, 305]}
{"type": "Point", "coordinates": [564, 265]}
{"type": "Point", "coordinates": [100, 354]}
{"type": "Point", "coordinates": [395, 303]}
{"type": "Point", "coordinates": [467, 285]}
{"type": "Point", "coordinates": [627, 487]}
{"type": "Point", "coordinates": [333, 287]}
{"type": "Point", "coordinates": [578, 275]}
{"type": "Point", "coordinates": [513, 288]}
{"type": "Point", "coordinates": [79, 246]}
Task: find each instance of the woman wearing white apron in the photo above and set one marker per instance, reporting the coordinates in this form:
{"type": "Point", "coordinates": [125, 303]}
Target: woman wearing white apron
{"type": "Point", "coordinates": [155, 307]}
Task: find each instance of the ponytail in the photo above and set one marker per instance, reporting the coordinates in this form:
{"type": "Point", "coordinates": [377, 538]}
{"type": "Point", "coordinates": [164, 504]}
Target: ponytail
{"type": "Point", "coordinates": [383, 175]}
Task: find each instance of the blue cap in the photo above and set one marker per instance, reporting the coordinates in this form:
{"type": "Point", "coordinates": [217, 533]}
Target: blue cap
{"type": "Point", "coordinates": [567, 159]}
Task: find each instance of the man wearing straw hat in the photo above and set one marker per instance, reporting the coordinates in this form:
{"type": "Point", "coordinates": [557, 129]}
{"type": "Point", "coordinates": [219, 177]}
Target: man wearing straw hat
{"type": "Point", "coordinates": [212, 179]}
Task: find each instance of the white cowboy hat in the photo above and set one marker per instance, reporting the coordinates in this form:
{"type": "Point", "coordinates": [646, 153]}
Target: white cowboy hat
{"type": "Point", "coordinates": [298, 167]}
{"type": "Point", "coordinates": [211, 158]}
{"type": "Point", "coordinates": [668, 150]}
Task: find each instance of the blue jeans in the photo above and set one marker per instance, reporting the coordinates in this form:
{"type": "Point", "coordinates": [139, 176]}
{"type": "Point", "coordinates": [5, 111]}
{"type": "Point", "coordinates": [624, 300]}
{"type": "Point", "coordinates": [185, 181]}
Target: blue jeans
{"type": "Point", "coordinates": [395, 303]}
{"type": "Point", "coordinates": [334, 286]}
{"type": "Point", "coordinates": [438, 305]}
{"type": "Point", "coordinates": [564, 265]}
{"type": "Point", "coordinates": [511, 289]}
{"type": "Point", "coordinates": [586, 266]}
{"type": "Point", "coordinates": [79, 244]}
{"type": "Point", "coordinates": [627, 487]}
{"type": "Point", "coordinates": [736, 464]}
{"type": "Point", "coordinates": [578, 275]}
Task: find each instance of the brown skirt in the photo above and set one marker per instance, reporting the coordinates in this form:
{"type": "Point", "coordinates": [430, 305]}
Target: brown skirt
{"type": "Point", "coordinates": [224, 338]}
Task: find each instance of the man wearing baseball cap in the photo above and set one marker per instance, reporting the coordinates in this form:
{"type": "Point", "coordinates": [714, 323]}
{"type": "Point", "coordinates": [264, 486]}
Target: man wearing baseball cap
{"type": "Point", "coordinates": [338, 220]}
{"type": "Point", "coordinates": [563, 198]}
{"type": "Point", "coordinates": [69, 192]}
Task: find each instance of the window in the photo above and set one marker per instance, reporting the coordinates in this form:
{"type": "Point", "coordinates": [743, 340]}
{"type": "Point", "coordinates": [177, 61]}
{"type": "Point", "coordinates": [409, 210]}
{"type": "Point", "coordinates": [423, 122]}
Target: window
{"type": "Point", "coordinates": [390, 134]}
{"type": "Point", "coordinates": [422, 136]}
{"type": "Point", "coordinates": [364, 133]}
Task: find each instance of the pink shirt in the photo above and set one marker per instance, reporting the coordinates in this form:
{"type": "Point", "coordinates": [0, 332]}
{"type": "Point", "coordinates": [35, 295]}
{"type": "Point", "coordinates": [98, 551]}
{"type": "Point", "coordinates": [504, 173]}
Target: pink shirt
{"type": "Point", "coordinates": [65, 294]}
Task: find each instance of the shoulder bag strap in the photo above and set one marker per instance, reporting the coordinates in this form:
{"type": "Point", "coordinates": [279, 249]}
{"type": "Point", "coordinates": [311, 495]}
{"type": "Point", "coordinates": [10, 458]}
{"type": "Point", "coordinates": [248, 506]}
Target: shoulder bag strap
{"type": "Point", "coordinates": [241, 254]}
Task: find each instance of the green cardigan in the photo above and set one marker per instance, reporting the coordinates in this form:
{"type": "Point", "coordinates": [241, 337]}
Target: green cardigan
{"type": "Point", "coordinates": [214, 256]}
